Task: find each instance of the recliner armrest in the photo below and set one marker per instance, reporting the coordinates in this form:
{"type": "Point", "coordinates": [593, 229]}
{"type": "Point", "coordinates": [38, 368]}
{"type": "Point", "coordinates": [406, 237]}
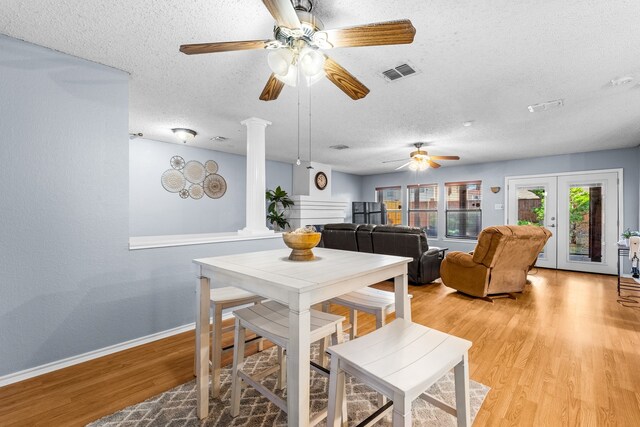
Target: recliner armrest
{"type": "Point", "coordinates": [462, 259]}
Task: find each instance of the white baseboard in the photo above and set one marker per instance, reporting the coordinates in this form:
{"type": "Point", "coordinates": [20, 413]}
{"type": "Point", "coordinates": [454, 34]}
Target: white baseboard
{"type": "Point", "coordinates": [74, 360]}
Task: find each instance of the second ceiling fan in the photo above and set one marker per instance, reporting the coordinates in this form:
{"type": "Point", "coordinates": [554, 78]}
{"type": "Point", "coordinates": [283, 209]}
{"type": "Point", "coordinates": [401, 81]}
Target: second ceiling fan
{"type": "Point", "coordinates": [421, 160]}
{"type": "Point", "coordinates": [298, 40]}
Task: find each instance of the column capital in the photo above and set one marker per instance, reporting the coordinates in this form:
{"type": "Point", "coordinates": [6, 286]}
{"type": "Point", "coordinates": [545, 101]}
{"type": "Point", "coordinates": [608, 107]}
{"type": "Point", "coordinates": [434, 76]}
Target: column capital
{"type": "Point", "coordinates": [255, 120]}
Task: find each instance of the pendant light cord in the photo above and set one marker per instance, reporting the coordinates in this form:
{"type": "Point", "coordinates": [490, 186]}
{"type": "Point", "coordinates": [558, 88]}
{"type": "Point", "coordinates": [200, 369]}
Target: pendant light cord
{"type": "Point", "coordinates": [309, 124]}
{"type": "Point", "coordinates": [298, 160]}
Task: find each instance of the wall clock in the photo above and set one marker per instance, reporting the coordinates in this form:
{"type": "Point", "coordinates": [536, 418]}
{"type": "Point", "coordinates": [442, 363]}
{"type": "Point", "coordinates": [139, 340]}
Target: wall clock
{"type": "Point", "coordinates": [321, 180]}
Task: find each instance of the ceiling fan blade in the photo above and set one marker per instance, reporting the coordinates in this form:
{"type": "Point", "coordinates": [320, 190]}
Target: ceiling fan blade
{"type": "Point", "coordinates": [272, 89]}
{"type": "Point", "coordinates": [433, 164]}
{"type": "Point", "coordinates": [283, 12]}
{"type": "Point", "coordinates": [344, 80]}
{"type": "Point", "coordinates": [195, 49]}
{"type": "Point", "coordinates": [406, 164]}
{"type": "Point", "coordinates": [444, 157]}
{"type": "Point", "coordinates": [376, 34]}
{"type": "Point", "coordinates": [393, 161]}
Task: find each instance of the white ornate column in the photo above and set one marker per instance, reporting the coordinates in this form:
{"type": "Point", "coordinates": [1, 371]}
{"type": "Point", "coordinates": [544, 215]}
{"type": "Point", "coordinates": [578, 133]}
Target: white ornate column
{"type": "Point", "coordinates": [256, 177]}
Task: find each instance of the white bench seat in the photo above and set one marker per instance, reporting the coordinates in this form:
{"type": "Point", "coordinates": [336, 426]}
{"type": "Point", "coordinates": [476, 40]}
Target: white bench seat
{"type": "Point", "coordinates": [370, 300]}
{"type": "Point", "coordinates": [271, 321]}
{"type": "Point", "coordinates": [401, 360]}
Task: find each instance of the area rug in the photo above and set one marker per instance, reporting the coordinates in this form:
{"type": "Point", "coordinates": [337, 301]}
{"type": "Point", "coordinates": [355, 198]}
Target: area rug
{"type": "Point", "coordinates": [177, 407]}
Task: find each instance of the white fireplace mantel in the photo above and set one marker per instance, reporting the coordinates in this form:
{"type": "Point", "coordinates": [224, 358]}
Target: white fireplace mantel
{"type": "Point", "coordinates": [310, 210]}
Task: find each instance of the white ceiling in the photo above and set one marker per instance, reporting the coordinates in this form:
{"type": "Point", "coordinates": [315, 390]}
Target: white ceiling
{"type": "Point", "coordinates": [481, 61]}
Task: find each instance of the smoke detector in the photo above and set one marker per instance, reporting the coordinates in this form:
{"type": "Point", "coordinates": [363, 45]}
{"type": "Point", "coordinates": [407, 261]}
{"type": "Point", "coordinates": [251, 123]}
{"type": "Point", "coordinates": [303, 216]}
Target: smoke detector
{"type": "Point", "coordinates": [218, 138]}
{"type": "Point", "coordinates": [339, 147]}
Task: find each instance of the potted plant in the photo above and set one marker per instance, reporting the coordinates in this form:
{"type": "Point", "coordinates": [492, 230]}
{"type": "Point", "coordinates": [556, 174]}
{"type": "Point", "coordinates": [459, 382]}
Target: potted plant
{"type": "Point", "coordinates": [625, 236]}
{"type": "Point", "coordinates": [278, 201]}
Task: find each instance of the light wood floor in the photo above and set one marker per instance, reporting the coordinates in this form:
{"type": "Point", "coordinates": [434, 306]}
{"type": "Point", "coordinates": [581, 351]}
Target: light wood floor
{"type": "Point", "coordinates": [564, 353]}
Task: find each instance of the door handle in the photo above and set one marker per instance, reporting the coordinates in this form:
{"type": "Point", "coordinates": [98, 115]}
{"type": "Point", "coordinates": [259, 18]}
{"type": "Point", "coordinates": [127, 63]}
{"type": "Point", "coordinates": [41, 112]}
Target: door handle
{"type": "Point", "coordinates": [552, 225]}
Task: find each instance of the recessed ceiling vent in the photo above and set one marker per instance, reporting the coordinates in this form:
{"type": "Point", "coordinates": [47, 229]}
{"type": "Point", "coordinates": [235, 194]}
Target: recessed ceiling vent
{"type": "Point", "coordinates": [399, 72]}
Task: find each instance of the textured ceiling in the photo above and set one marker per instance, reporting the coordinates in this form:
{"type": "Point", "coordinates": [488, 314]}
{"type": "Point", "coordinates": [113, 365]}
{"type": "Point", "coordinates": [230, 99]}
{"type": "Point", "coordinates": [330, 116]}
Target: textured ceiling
{"type": "Point", "coordinates": [480, 61]}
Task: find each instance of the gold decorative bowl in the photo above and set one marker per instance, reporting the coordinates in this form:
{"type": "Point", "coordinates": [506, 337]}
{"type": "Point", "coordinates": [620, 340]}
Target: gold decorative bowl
{"type": "Point", "coordinates": [301, 245]}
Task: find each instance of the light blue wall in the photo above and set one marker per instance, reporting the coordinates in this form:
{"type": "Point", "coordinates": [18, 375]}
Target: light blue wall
{"type": "Point", "coordinates": [155, 211]}
{"type": "Point", "coordinates": [347, 187]}
{"type": "Point", "coordinates": [68, 283]}
{"type": "Point", "coordinates": [493, 174]}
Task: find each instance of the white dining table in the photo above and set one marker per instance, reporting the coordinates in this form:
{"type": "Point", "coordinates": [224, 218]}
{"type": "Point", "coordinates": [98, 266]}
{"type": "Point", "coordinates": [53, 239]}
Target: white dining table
{"type": "Point", "coordinates": [299, 285]}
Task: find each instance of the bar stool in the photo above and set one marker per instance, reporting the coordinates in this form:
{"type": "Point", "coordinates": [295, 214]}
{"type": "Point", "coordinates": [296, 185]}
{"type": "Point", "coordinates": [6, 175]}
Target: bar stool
{"type": "Point", "coordinates": [368, 300]}
{"type": "Point", "coordinates": [271, 321]}
{"type": "Point", "coordinates": [220, 299]}
{"type": "Point", "coordinates": [401, 361]}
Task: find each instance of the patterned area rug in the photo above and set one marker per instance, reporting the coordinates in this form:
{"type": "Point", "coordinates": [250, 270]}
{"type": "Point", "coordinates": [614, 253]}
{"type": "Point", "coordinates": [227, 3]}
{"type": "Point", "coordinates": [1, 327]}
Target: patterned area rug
{"type": "Point", "coordinates": [177, 407]}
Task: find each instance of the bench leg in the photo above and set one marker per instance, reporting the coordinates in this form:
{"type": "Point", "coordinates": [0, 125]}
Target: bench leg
{"type": "Point", "coordinates": [401, 411]}
{"type": "Point", "coordinates": [353, 318]}
{"type": "Point", "coordinates": [238, 364]}
{"type": "Point", "coordinates": [216, 350]}
{"type": "Point", "coordinates": [282, 373]}
{"type": "Point", "coordinates": [461, 372]}
{"type": "Point", "coordinates": [380, 321]}
{"type": "Point", "coordinates": [337, 400]}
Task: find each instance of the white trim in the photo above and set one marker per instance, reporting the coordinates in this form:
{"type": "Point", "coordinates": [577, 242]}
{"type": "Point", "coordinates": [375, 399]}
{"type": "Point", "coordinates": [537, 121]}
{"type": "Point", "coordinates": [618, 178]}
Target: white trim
{"type": "Point", "coordinates": [453, 239]}
{"type": "Point", "coordinates": [151, 242]}
{"type": "Point", "coordinates": [80, 358]}
{"type": "Point", "coordinates": [585, 172]}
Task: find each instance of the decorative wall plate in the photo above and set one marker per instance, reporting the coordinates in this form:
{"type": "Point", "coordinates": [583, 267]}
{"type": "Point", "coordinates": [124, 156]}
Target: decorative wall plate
{"type": "Point", "coordinates": [194, 172]}
{"type": "Point", "coordinates": [215, 186]}
{"type": "Point", "coordinates": [184, 193]}
{"type": "Point", "coordinates": [177, 162]}
{"type": "Point", "coordinates": [196, 191]}
{"type": "Point", "coordinates": [211, 166]}
{"type": "Point", "coordinates": [173, 181]}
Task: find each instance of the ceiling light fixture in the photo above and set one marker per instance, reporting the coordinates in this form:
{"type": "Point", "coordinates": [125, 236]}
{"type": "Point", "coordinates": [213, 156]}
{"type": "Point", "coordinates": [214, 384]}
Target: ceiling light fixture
{"type": "Point", "coordinates": [536, 108]}
{"type": "Point", "coordinates": [621, 81]}
{"type": "Point", "coordinates": [468, 123]}
{"type": "Point", "coordinates": [184, 134]}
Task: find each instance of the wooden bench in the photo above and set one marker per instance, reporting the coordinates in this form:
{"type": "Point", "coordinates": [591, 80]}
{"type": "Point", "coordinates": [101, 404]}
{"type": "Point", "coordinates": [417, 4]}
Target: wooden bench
{"type": "Point", "coordinates": [401, 361]}
{"type": "Point", "coordinates": [271, 321]}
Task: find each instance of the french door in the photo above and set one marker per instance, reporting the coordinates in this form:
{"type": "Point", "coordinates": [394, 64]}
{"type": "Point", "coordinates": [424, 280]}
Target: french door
{"type": "Point", "coordinates": [581, 210]}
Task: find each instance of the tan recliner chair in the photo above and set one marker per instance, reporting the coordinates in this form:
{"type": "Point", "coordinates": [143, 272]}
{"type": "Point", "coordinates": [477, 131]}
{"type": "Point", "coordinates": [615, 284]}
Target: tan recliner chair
{"type": "Point", "coordinates": [500, 262]}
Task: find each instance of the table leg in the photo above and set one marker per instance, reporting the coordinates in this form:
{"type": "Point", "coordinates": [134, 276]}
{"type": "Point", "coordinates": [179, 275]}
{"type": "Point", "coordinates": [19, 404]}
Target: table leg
{"type": "Point", "coordinates": [298, 372]}
{"type": "Point", "coordinates": [202, 346]}
{"type": "Point", "coordinates": [403, 305]}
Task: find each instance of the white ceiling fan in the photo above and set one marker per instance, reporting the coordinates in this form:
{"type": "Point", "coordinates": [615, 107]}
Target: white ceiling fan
{"type": "Point", "coordinates": [421, 160]}
{"type": "Point", "coordinates": [299, 39]}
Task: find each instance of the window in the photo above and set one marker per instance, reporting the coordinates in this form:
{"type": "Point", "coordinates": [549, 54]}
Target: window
{"type": "Point", "coordinates": [391, 198]}
{"type": "Point", "coordinates": [423, 208]}
{"type": "Point", "coordinates": [464, 216]}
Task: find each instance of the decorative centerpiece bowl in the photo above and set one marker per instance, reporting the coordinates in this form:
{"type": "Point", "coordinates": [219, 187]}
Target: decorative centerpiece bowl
{"type": "Point", "coordinates": [301, 241]}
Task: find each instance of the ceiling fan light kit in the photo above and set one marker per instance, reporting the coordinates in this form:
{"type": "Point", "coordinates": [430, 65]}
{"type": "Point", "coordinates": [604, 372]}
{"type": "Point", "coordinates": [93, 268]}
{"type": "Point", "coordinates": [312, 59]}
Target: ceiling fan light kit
{"type": "Point", "coordinates": [299, 37]}
{"type": "Point", "coordinates": [420, 160]}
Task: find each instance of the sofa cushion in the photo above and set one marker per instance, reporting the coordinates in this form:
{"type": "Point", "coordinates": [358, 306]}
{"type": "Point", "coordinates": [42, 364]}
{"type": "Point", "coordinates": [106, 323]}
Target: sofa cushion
{"type": "Point", "coordinates": [363, 236]}
{"type": "Point", "coordinates": [424, 244]}
{"type": "Point", "coordinates": [340, 236]}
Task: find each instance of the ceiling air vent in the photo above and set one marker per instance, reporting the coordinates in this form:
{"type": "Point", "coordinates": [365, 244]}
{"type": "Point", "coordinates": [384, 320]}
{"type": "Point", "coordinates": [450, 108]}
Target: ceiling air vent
{"type": "Point", "coordinates": [396, 73]}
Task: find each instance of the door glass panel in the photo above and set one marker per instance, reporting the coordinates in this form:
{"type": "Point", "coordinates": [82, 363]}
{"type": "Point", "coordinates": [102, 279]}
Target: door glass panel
{"type": "Point", "coordinates": [586, 219]}
{"type": "Point", "coordinates": [532, 207]}
{"type": "Point", "coordinates": [391, 198]}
